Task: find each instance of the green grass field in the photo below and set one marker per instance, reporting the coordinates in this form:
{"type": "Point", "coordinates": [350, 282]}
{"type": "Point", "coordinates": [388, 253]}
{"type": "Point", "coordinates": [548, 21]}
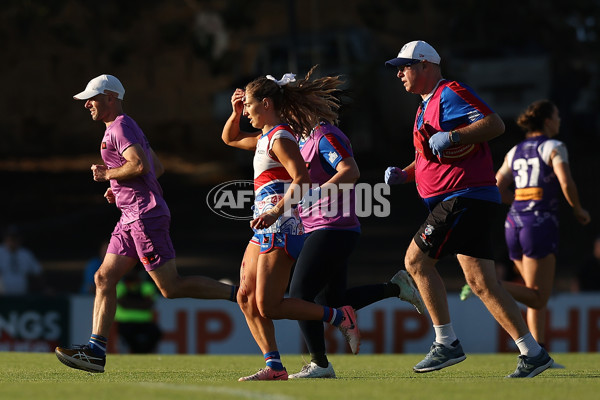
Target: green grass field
{"type": "Point", "coordinates": [146, 377]}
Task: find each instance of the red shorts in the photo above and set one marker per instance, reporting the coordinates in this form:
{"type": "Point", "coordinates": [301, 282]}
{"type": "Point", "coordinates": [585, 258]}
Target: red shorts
{"type": "Point", "coordinates": [147, 239]}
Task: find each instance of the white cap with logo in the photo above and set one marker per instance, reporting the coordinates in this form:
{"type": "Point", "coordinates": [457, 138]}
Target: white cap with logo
{"type": "Point", "coordinates": [99, 85]}
{"type": "Point", "coordinates": [413, 52]}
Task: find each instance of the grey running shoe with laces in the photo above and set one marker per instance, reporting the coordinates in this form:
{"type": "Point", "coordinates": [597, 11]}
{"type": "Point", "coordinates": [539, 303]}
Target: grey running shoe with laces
{"type": "Point", "coordinates": [528, 367]}
{"type": "Point", "coordinates": [81, 357]}
{"type": "Point", "coordinates": [408, 290]}
{"type": "Point", "coordinates": [312, 370]}
{"type": "Point", "coordinates": [440, 356]}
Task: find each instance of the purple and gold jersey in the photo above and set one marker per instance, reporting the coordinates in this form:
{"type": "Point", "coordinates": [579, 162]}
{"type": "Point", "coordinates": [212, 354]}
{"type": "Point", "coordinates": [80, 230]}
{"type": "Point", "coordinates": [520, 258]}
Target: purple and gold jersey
{"type": "Point", "coordinates": [140, 197]}
{"type": "Point", "coordinates": [536, 185]}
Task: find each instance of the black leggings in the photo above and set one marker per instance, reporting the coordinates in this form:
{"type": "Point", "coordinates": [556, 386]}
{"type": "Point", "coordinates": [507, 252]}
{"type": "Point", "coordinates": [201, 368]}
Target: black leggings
{"type": "Point", "coordinates": [320, 276]}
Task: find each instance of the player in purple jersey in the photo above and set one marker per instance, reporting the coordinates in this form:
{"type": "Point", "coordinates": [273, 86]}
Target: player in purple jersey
{"type": "Point", "coordinates": [454, 174]}
{"type": "Point", "coordinates": [278, 108]}
{"type": "Point", "coordinates": [539, 169]}
{"type": "Point", "coordinates": [142, 233]}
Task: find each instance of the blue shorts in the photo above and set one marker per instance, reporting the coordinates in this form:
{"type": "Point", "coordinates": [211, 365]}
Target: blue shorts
{"type": "Point", "coordinates": [534, 236]}
{"type": "Point", "coordinates": [292, 244]}
{"type": "Point", "coordinates": [147, 239]}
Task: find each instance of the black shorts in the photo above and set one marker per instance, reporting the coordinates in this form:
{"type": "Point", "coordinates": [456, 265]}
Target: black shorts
{"type": "Point", "coordinates": [459, 226]}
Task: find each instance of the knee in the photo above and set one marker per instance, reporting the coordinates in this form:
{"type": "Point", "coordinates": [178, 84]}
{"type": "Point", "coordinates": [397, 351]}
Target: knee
{"type": "Point", "coordinates": [168, 290]}
{"type": "Point", "coordinates": [244, 303]}
{"type": "Point", "coordinates": [267, 310]}
{"type": "Point", "coordinates": [412, 264]}
{"type": "Point", "coordinates": [540, 300]}
{"type": "Point", "coordinates": [104, 281]}
{"type": "Point", "coordinates": [478, 288]}
{"type": "Point", "coordinates": [481, 287]}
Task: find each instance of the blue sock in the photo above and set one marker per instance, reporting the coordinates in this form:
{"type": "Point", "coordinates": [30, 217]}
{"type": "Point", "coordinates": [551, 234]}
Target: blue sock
{"type": "Point", "coordinates": [97, 344]}
{"type": "Point", "coordinates": [332, 316]}
{"type": "Point", "coordinates": [273, 360]}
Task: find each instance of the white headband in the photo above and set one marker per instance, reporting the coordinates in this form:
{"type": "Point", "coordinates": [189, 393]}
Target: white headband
{"type": "Point", "coordinates": [287, 78]}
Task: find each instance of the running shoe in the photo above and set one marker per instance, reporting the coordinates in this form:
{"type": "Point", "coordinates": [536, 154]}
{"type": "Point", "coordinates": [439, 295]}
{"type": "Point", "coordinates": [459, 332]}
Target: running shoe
{"type": "Point", "coordinates": [528, 367]}
{"type": "Point", "coordinates": [349, 328]}
{"type": "Point", "coordinates": [266, 374]}
{"type": "Point", "coordinates": [81, 357]}
{"type": "Point", "coordinates": [465, 292]}
{"type": "Point", "coordinates": [440, 356]}
{"type": "Point", "coordinates": [312, 370]}
{"type": "Point", "coordinates": [408, 290]}
{"type": "Point", "coordinates": [556, 365]}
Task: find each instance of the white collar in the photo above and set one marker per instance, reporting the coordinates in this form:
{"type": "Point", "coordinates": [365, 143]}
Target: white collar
{"type": "Point", "coordinates": [426, 98]}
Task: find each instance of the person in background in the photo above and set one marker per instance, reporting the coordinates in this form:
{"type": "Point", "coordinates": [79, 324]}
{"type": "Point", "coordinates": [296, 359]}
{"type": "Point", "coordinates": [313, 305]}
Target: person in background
{"type": "Point", "coordinates": [88, 286]}
{"type": "Point", "coordinates": [330, 238]}
{"type": "Point", "coordinates": [142, 232]}
{"type": "Point", "coordinates": [538, 167]}
{"type": "Point", "coordinates": [135, 313]}
{"type": "Point", "coordinates": [278, 108]}
{"type": "Point", "coordinates": [454, 175]}
{"type": "Point", "coordinates": [20, 272]}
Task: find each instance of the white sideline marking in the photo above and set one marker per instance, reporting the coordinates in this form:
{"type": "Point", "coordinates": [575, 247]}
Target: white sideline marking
{"type": "Point", "coordinates": [217, 389]}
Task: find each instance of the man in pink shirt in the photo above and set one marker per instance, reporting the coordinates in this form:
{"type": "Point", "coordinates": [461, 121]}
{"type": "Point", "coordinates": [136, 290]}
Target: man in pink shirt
{"type": "Point", "coordinates": [142, 233]}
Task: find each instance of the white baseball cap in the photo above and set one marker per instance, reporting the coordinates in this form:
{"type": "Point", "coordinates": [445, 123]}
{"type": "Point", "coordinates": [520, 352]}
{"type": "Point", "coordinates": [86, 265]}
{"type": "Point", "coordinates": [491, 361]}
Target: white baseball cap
{"type": "Point", "coordinates": [414, 52]}
{"type": "Point", "coordinates": [99, 85]}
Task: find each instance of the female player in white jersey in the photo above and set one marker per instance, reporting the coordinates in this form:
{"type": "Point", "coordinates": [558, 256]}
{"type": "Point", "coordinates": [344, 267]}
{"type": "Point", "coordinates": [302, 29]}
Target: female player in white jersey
{"type": "Point", "coordinates": [278, 108]}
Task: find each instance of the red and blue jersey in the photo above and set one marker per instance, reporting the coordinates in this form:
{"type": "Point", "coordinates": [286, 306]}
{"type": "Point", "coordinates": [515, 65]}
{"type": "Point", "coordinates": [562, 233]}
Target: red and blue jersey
{"type": "Point", "coordinates": [271, 180]}
{"type": "Point", "coordinates": [465, 170]}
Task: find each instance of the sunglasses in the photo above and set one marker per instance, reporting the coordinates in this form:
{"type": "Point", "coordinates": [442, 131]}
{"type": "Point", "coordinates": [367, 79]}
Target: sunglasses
{"type": "Point", "coordinates": [408, 65]}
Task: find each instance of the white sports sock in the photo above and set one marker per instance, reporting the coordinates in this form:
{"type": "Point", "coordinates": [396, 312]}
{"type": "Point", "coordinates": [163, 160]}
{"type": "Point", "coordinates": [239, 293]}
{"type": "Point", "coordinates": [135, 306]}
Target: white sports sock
{"type": "Point", "coordinates": [528, 346]}
{"type": "Point", "coordinates": [444, 334]}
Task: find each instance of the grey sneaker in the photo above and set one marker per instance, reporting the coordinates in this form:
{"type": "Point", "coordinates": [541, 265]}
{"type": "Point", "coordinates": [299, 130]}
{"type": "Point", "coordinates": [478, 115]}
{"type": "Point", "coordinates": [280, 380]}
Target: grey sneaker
{"type": "Point", "coordinates": [81, 357]}
{"type": "Point", "coordinates": [440, 356]}
{"type": "Point", "coordinates": [312, 370]}
{"type": "Point", "coordinates": [408, 290]}
{"type": "Point", "coordinates": [528, 367]}
{"type": "Point", "coordinates": [556, 365]}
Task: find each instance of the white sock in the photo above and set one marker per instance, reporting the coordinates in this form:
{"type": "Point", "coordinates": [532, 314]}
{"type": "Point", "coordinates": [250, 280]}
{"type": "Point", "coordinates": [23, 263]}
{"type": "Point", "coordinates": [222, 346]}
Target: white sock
{"type": "Point", "coordinates": [528, 346]}
{"type": "Point", "coordinates": [444, 334]}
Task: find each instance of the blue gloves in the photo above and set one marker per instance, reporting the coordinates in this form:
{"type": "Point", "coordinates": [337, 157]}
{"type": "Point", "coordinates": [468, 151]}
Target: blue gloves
{"type": "Point", "coordinates": [439, 142]}
{"type": "Point", "coordinates": [394, 176]}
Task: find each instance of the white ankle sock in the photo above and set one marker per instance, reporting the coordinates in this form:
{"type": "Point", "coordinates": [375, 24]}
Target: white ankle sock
{"type": "Point", "coordinates": [444, 334]}
{"type": "Point", "coordinates": [528, 346]}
